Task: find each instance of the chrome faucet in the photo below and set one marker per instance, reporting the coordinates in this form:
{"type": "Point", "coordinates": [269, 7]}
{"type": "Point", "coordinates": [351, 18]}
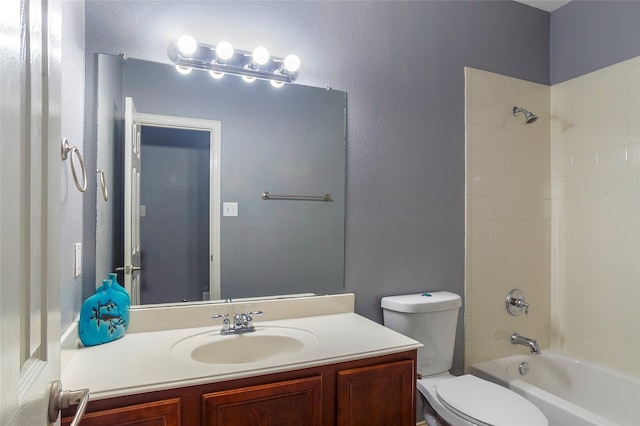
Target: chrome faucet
{"type": "Point", "coordinates": [532, 344]}
{"type": "Point", "coordinates": [515, 302]}
{"type": "Point", "coordinates": [242, 322]}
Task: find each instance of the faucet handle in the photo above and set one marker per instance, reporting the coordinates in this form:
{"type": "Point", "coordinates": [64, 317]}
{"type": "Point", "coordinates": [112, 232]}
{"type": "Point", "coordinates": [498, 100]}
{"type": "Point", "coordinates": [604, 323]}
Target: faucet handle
{"type": "Point", "coordinates": [225, 323]}
{"type": "Point", "coordinates": [218, 316]}
{"type": "Point", "coordinates": [515, 302]}
{"type": "Point", "coordinates": [250, 316]}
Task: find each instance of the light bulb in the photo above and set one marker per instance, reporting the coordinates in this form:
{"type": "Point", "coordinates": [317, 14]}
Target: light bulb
{"type": "Point", "coordinates": [291, 63]}
{"type": "Point", "coordinates": [187, 44]}
{"type": "Point", "coordinates": [248, 79]}
{"type": "Point", "coordinates": [216, 75]}
{"type": "Point", "coordinates": [260, 55]}
{"type": "Point", "coordinates": [277, 84]}
{"type": "Point", "coordinates": [224, 50]}
{"type": "Point", "coordinates": [183, 70]}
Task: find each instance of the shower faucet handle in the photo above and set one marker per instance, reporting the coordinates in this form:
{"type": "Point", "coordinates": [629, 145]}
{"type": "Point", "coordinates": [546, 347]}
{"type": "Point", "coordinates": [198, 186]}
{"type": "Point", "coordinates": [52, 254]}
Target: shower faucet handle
{"type": "Point", "coordinates": [516, 302]}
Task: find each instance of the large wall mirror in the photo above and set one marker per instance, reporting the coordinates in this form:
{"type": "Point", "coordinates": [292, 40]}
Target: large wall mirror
{"type": "Point", "coordinates": [205, 231]}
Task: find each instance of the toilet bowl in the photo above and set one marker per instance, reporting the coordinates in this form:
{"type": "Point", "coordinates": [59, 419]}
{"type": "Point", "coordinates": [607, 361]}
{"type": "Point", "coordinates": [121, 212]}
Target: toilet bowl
{"type": "Point", "coordinates": [470, 401]}
{"type": "Point", "coordinates": [466, 400]}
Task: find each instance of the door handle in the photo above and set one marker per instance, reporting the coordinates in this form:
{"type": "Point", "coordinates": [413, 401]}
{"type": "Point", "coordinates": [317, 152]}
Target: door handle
{"type": "Point", "coordinates": [129, 269]}
{"type": "Point", "coordinates": [60, 399]}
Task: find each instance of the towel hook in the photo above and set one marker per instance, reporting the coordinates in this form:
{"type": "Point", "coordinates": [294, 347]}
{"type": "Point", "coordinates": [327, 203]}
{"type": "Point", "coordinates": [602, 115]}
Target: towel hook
{"type": "Point", "coordinates": [64, 153]}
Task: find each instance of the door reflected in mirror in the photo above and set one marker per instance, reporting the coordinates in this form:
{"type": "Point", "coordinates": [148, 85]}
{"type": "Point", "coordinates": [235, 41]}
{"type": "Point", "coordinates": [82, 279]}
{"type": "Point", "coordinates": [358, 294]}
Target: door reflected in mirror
{"type": "Point", "coordinates": [289, 140]}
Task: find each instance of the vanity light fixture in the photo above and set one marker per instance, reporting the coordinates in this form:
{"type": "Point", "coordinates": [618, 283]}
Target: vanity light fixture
{"type": "Point", "coordinates": [216, 75]}
{"type": "Point", "coordinates": [260, 56]}
{"type": "Point", "coordinates": [224, 51]}
{"type": "Point", "coordinates": [291, 63]}
{"type": "Point", "coordinates": [222, 58]}
{"type": "Point", "coordinates": [183, 70]}
{"type": "Point", "coordinates": [187, 45]}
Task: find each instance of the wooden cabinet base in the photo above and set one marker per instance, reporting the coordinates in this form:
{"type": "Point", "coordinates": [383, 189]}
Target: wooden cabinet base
{"type": "Point", "coordinates": [371, 391]}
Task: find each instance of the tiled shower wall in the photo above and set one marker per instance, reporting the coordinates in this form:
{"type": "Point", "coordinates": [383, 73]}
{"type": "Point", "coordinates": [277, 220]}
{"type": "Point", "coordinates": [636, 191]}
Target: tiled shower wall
{"type": "Point", "coordinates": [508, 213]}
{"type": "Point", "coordinates": [595, 182]}
{"type": "Point", "coordinates": [553, 208]}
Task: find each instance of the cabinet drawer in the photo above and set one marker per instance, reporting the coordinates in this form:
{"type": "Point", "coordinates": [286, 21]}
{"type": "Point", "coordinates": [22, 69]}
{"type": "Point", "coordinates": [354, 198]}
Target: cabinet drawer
{"type": "Point", "coordinates": [293, 402]}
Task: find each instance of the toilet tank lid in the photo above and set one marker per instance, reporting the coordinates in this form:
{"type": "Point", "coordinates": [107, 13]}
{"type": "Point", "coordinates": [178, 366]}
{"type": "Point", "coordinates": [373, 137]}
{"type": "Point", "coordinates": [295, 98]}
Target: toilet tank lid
{"type": "Point", "coordinates": [422, 302]}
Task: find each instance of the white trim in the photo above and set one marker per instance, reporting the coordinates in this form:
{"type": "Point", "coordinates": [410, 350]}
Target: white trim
{"type": "Point", "coordinates": [30, 207]}
{"type": "Point", "coordinates": [214, 129]}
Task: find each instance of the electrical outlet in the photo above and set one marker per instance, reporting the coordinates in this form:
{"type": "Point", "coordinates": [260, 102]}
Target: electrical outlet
{"type": "Point", "coordinates": [229, 209]}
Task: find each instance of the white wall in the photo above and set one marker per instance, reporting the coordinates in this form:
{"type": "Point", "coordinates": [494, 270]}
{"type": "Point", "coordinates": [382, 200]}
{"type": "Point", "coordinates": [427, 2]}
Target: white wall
{"type": "Point", "coordinates": [580, 270]}
{"type": "Point", "coordinates": [595, 146]}
{"type": "Point", "coordinates": [507, 213]}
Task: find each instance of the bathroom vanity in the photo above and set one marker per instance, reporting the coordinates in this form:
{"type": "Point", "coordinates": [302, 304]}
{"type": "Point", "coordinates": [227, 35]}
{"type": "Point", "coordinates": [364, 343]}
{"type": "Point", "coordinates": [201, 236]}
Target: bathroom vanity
{"type": "Point", "coordinates": [310, 361]}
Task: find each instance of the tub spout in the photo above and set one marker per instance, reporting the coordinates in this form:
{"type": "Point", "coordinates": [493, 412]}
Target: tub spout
{"type": "Point", "coordinates": [532, 344]}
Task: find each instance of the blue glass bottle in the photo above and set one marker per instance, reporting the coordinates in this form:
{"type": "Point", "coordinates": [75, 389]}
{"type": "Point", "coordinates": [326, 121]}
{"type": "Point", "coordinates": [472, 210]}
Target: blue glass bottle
{"type": "Point", "coordinates": [102, 316]}
{"type": "Point", "coordinates": [113, 277]}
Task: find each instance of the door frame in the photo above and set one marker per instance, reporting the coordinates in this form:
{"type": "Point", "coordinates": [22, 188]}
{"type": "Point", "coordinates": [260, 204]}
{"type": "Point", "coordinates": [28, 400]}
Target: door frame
{"type": "Point", "coordinates": [214, 129]}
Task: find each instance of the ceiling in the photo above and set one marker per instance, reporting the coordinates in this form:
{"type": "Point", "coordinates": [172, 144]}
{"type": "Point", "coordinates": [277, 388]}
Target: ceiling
{"type": "Point", "coordinates": [548, 5]}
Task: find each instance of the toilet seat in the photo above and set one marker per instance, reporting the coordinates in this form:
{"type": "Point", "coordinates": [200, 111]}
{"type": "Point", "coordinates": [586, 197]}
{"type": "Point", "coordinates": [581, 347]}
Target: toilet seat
{"type": "Point", "coordinates": [487, 404]}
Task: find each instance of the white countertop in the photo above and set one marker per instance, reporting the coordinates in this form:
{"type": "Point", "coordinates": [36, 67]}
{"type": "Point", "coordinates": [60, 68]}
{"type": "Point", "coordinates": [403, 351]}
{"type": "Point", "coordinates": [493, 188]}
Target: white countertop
{"type": "Point", "coordinates": [143, 361]}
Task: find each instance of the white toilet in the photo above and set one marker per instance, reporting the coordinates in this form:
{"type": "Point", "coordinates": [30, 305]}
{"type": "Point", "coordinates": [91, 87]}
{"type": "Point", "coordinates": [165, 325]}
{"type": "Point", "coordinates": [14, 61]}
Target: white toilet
{"type": "Point", "coordinates": [431, 319]}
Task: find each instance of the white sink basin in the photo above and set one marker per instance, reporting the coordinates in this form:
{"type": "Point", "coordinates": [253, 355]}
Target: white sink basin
{"type": "Point", "coordinates": [266, 343]}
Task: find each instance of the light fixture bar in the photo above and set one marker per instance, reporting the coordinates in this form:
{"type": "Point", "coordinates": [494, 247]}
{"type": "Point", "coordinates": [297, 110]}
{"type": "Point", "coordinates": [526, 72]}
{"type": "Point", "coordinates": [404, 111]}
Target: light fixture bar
{"type": "Point", "coordinates": [240, 63]}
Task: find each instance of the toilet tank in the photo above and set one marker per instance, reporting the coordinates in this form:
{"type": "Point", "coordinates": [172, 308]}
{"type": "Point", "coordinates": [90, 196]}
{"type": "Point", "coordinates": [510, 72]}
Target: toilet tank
{"type": "Point", "coordinates": [429, 318]}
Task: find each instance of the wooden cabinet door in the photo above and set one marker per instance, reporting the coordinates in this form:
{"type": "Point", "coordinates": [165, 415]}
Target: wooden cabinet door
{"type": "Point", "coordinates": [158, 413]}
{"type": "Point", "coordinates": [294, 402]}
{"type": "Point", "coordinates": [379, 395]}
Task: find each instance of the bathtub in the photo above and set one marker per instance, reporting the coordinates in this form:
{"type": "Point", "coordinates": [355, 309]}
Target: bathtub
{"type": "Point", "coordinates": [568, 391]}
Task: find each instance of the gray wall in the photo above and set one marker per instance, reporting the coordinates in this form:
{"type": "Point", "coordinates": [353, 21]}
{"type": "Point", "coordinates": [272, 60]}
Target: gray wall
{"type": "Point", "coordinates": [286, 141]}
{"type": "Point", "coordinates": [72, 113]}
{"type": "Point", "coordinates": [589, 35]}
{"type": "Point", "coordinates": [109, 137]}
{"type": "Point", "coordinates": [401, 64]}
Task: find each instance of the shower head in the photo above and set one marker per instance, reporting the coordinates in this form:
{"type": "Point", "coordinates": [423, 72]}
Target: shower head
{"type": "Point", "coordinates": [529, 117]}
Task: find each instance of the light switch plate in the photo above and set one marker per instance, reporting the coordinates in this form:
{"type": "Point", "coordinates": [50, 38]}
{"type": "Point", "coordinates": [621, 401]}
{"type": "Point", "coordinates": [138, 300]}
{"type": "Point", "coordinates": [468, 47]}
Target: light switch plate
{"type": "Point", "coordinates": [230, 209]}
{"type": "Point", "coordinates": [78, 257]}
